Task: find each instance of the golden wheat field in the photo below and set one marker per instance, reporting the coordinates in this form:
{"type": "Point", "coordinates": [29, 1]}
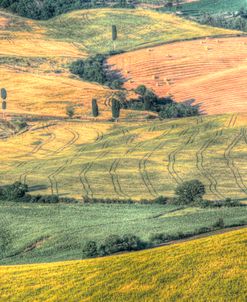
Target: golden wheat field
{"type": "Point", "coordinates": [105, 160]}
{"type": "Point", "coordinates": [211, 71]}
{"type": "Point", "coordinates": [209, 269]}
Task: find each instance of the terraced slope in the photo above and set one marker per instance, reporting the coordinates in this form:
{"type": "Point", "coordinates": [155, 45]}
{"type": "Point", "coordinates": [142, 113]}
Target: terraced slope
{"type": "Point", "coordinates": [211, 71]}
{"type": "Point", "coordinates": [101, 160]}
{"type": "Point", "coordinates": [212, 269]}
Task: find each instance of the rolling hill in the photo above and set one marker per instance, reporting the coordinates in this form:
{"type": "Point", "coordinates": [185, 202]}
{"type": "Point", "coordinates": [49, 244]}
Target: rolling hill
{"type": "Point", "coordinates": [208, 269]}
{"type": "Point", "coordinates": [104, 160]}
{"type": "Point", "coordinates": [211, 71]}
{"type": "Point", "coordinates": [35, 54]}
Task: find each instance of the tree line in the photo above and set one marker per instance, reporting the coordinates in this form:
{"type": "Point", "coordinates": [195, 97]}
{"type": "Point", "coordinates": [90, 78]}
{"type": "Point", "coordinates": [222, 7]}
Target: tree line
{"type": "Point", "coordinates": [46, 9]}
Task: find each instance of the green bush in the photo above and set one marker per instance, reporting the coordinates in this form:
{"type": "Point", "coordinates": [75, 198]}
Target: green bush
{"type": "Point", "coordinates": [13, 192]}
{"type": "Point", "coordinates": [190, 191]}
{"type": "Point", "coordinates": [90, 249]}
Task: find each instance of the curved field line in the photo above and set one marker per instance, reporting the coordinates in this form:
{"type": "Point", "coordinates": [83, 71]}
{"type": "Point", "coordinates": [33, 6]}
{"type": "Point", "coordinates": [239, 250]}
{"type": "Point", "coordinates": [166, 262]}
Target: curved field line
{"type": "Point", "coordinates": [213, 184]}
{"type": "Point", "coordinates": [142, 165]}
{"type": "Point", "coordinates": [230, 162]}
{"type": "Point", "coordinates": [115, 164]}
{"type": "Point", "coordinates": [52, 176]}
{"type": "Point", "coordinates": [172, 156]}
{"type": "Point", "coordinates": [84, 171]}
{"type": "Point", "coordinates": [232, 121]}
{"type": "Point", "coordinates": [23, 176]}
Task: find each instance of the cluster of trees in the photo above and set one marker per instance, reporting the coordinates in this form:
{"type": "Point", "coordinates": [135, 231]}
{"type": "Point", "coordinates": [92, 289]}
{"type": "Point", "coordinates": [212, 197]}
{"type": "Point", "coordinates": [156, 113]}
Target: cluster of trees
{"type": "Point", "coordinates": [94, 69]}
{"type": "Point", "coordinates": [113, 244]}
{"type": "Point", "coordinates": [229, 20]}
{"type": "Point", "coordinates": [166, 107]}
{"type": "Point", "coordinates": [45, 9]}
{"type": "Point", "coordinates": [18, 192]}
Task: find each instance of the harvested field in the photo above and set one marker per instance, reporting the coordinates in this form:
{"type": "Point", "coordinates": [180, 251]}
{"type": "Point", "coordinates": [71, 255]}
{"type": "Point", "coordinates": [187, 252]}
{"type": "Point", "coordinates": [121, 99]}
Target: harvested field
{"type": "Point", "coordinates": [211, 71]}
{"type": "Point", "coordinates": [105, 160]}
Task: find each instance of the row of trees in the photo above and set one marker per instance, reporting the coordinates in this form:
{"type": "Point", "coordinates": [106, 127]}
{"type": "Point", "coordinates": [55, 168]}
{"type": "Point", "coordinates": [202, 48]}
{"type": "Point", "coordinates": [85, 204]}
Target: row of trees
{"type": "Point", "coordinates": [115, 106]}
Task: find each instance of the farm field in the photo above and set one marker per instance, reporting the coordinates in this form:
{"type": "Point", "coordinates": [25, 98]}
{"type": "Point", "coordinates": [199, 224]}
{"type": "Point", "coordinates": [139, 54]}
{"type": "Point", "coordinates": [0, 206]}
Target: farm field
{"type": "Point", "coordinates": [35, 55]}
{"type": "Point", "coordinates": [47, 233]}
{"type": "Point", "coordinates": [215, 266]}
{"type": "Point", "coordinates": [200, 7]}
{"type": "Point", "coordinates": [137, 28]}
{"type": "Point", "coordinates": [103, 160]}
{"type": "Point", "coordinates": [210, 71]}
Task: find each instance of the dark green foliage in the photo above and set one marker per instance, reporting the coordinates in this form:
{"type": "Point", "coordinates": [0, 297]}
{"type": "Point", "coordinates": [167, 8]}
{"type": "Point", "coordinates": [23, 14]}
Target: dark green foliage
{"type": "Point", "coordinates": [141, 90]}
{"type": "Point", "coordinates": [95, 108]}
{"type": "Point", "coordinates": [158, 200]}
{"type": "Point", "coordinates": [114, 32]}
{"type": "Point", "coordinates": [45, 9]}
{"type": "Point", "coordinates": [4, 105]}
{"type": "Point", "coordinates": [3, 93]}
{"type": "Point", "coordinates": [70, 111]}
{"type": "Point", "coordinates": [14, 192]}
{"type": "Point", "coordinates": [177, 110]}
{"type": "Point", "coordinates": [19, 124]}
{"type": "Point", "coordinates": [91, 69]}
{"type": "Point", "coordinates": [166, 107]}
{"type": "Point", "coordinates": [190, 191]}
{"type": "Point", "coordinates": [219, 223]}
{"type": "Point", "coordinates": [115, 109]}
{"type": "Point", "coordinates": [90, 249]}
{"type": "Point", "coordinates": [115, 244]}
{"type": "Point", "coordinates": [229, 203]}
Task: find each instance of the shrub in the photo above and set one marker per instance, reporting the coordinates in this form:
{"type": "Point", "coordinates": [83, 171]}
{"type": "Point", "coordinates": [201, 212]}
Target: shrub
{"type": "Point", "coordinates": [176, 110]}
{"type": "Point", "coordinates": [115, 243]}
{"type": "Point", "coordinates": [90, 249]}
{"type": "Point", "coordinates": [70, 111]}
{"type": "Point", "coordinates": [190, 191]}
{"type": "Point", "coordinates": [14, 192]}
{"type": "Point", "coordinates": [219, 224]}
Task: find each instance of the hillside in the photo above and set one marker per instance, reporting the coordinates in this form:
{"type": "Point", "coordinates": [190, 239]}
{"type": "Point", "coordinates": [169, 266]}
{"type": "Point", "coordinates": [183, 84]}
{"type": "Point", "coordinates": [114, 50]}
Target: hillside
{"type": "Point", "coordinates": [209, 269]}
{"type": "Point", "coordinates": [35, 54]}
{"type": "Point", "coordinates": [104, 160]}
{"type": "Point", "coordinates": [58, 232]}
{"type": "Point", "coordinates": [211, 71]}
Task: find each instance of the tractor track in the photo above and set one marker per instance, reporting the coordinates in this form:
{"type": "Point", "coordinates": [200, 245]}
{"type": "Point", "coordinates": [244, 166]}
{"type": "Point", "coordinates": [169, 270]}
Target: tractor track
{"type": "Point", "coordinates": [213, 183]}
{"type": "Point", "coordinates": [84, 171]}
{"type": "Point", "coordinates": [142, 166]}
{"type": "Point", "coordinates": [172, 156]}
{"type": "Point", "coordinates": [52, 176]}
{"type": "Point", "coordinates": [230, 161]}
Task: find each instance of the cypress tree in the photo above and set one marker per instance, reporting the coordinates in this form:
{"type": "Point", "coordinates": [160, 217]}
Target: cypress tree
{"type": "Point", "coordinates": [114, 32]}
{"type": "Point", "coordinates": [115, 109]}
{"type": "Point", "coordinates": [147, 103]}
{"type": "Point", "coordinates": [95, 108]}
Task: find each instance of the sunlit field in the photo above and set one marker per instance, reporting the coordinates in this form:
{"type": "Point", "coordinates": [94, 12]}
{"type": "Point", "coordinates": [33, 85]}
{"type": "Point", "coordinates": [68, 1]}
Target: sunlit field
{"type": "Point", "coordinates": [132, 160]}
{"type": "Point", "coordinates": [209, 269]}
{"type": "Point", "coordinates": [210, 71]}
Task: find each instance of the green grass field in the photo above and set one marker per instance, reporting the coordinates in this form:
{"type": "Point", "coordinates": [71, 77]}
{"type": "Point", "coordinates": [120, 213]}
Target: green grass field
{"type": "Point", "coordinates": [104, 160]}
{"type": "Point", "coordinates": [212, 6]}
{"type": "Point", "coordinates": [209, 269]}
{"type": "Point", "coordinates": [47, 233]}
{"type": "Point", "coordinates": [136, 29]}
